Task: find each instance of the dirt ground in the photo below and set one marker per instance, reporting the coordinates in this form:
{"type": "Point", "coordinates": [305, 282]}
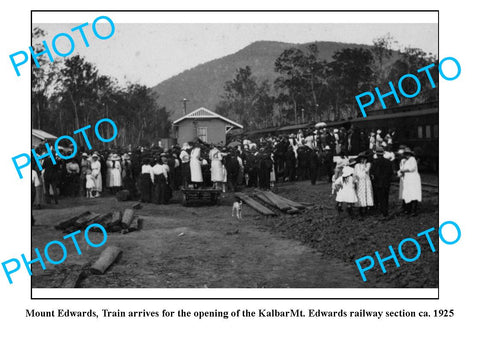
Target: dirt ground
{"type": "Point", "coordinates": [203, 246]}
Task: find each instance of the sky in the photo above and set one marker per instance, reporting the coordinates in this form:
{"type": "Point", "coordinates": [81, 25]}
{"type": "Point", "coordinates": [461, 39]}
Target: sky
{"type": "Point", "coordinates": [150, 53]}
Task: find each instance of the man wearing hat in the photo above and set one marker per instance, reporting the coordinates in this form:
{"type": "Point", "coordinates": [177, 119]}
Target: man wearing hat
{"type": "Point", "coordinates": [382, 171]}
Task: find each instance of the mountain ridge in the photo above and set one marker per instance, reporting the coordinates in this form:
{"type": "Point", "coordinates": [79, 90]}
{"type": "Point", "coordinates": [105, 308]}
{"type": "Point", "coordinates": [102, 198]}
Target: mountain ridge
{"type": "Point", "coordinates": [203, 84]}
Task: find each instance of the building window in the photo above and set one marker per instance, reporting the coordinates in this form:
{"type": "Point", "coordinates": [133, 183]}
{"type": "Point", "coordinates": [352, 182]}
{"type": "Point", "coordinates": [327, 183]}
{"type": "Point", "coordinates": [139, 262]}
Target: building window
{"type": "Point", "coordinates": [435, 131]}
{"type": "Point", "coordinates": [428, 131]}
{"type": "Point", "coordinates": [202, 133]}
{"type": "Point", "coordinates": [420, 131]}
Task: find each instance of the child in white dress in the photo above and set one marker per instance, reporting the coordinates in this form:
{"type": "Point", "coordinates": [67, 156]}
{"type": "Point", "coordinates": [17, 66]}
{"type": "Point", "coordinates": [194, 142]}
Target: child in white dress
{"type": "Point", "coordinates": [346, 193]}
{"type": "Point", "coordinates": [90, 183]}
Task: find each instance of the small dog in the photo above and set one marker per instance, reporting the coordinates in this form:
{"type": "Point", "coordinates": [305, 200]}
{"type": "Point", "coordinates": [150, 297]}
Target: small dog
{"type": "Point", "coordinates": [237, 209]}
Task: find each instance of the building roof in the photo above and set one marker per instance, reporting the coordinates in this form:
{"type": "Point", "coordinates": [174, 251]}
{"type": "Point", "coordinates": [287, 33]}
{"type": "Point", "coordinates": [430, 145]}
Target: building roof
{"type": "Point", "coordinates": [42, 134]}
{"type": "Point", "coordinates": [203, 113]}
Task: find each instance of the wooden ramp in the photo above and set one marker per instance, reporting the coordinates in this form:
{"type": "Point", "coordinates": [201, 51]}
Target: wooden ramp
{"type": "Point", "coordinates": [289, 202]}
{"type": "Point", "coordinates": [255, 205]}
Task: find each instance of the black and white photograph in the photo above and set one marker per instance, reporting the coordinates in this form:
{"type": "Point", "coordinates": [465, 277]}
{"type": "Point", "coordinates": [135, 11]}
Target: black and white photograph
{"type": "Point", "coordinates": [264, 152]}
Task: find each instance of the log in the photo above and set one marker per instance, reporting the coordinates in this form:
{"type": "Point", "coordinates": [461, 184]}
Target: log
{"type": "Point", "coordinates": [280, 204]}
{"type": "Point", "coordinates": [137, 205]}
{"type": "Point", "coordinates": [84, 221]}
{"type": "Point", "coordinates": [107, 257]}
{"type": "Point", "coordinates": [255, 205]}
{"type": "Point", "coordinates": [116, 218]}
{"type": "Point", "coordinates": [103, 220]}
{"type": "Point", "coordinates": [127, 218]}
{"type": "Point", "coordinates": [137, 224]}
{"type": "Point", "coordinates": [71, 221]}
{"type": "Point", "coordinates": [73, 278]}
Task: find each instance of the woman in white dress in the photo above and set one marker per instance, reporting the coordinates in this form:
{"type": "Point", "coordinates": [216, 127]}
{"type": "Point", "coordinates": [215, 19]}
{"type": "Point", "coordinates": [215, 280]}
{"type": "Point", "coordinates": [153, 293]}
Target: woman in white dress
{"type": "Point", "coordinates": [345, 185]}
{"type": "Point", "coordinates": [196, 166]}
{"type": "Point", "coordinates": [364, 187]}
{"type": "Point", "coordinates": [96, 174]}
{"type": "Point", "coordinates": [116, 173]}
{"type": "Point", "coordinates": [412, 184]}
{"type": "Point", "coordinates": [217, 169]}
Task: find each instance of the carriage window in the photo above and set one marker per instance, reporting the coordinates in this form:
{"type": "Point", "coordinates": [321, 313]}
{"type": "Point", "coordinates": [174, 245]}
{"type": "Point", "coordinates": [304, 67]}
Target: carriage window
{"type": "Point", "coordinates": [435, 131]}
{"type": "Point", "coordinates": [202, 133]}
{"type": "Point", "coordinates": [420, 131]}
{"type": "Point", "coordinates": [428, 131]}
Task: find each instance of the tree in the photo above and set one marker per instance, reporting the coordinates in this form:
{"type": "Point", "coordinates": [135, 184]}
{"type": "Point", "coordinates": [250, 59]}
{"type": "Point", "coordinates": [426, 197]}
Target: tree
{"type": "Point", "coordinates": [412, 59]}
{"type": "Point", "coordinates": [79, 79]}
{"type": "Point", "coordinates": [382, 52]}
{"type": "Point", "coordinates": [291, 84]}
{"type": "Point", "coordinates": [245, 100]}
{"type": "Point", "coordinates": [351, 73]}
{"type": "Point", "coordinates": [44, 81]}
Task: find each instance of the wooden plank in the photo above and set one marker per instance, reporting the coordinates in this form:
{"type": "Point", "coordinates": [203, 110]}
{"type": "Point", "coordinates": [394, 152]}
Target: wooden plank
{"type": "Point", "coordinates": [107, 257]}
{"type": "Point", "coordinates": [292, 211]}
{"type": "Point", "coordinates": [289, 202]}
{"type": "Point", "coordinates": [255, 205]}
{"type": "Point", "coordinates": [280, 204]}
{"type": "Point", "coordinates": [263, 198]}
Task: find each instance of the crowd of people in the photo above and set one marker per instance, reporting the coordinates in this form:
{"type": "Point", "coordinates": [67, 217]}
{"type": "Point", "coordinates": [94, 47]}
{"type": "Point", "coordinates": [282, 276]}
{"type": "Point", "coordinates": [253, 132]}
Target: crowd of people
{"type": "Point", "coordinates": [152, 174]}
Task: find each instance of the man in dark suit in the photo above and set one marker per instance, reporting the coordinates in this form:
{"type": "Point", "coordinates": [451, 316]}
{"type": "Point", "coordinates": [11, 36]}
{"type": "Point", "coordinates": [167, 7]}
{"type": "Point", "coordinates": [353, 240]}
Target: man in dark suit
{"type": "Point", "coordinates": [382, 171]}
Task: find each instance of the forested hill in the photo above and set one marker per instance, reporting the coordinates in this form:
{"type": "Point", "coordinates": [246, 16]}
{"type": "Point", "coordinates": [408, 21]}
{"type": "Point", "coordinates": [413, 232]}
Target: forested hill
{"type": "Point", "coordinates": [203, 85]}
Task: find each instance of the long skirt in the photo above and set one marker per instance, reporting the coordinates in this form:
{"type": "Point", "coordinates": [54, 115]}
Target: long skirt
{"type": "Point", "coordinates": [185, 168]}
{"type": "Point", "coordinates": [161, 190]}
{"type": "Point", "coordinates": [364, 192]}
{"type": "Point", "coordinates": [38, 195]}
{"type": "Point", "coordinates": [412, 187]}
{"type": "Point", "coordinates": [145, 188]}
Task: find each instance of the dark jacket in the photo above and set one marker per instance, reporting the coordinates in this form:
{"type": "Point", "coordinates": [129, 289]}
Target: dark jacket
{"type": "Point", "coordinates": [382, 172]}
